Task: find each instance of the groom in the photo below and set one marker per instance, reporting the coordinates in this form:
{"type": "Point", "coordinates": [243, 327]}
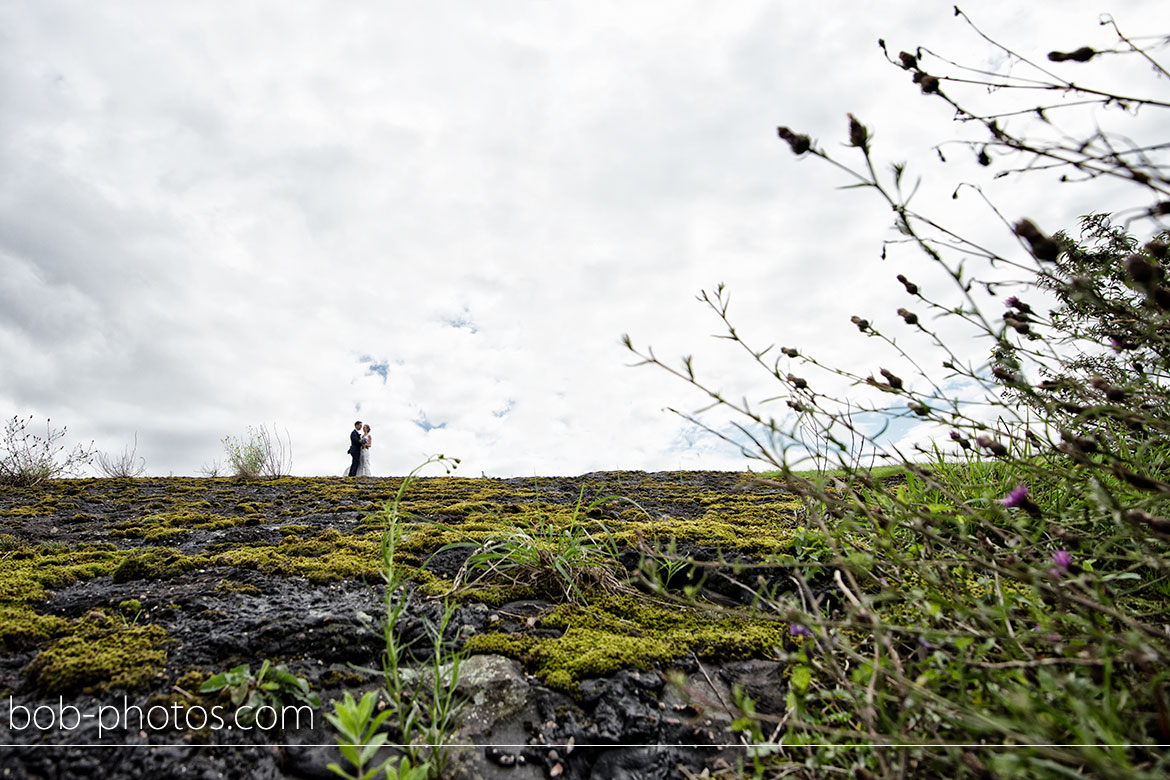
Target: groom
{"type": "Point", "coordinates": [355, 447]}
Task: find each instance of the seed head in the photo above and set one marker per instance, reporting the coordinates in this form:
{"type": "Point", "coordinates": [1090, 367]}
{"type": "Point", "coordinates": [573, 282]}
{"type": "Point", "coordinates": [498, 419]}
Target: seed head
{"type": "Point", "coordinates": [909, 285]}
{"type": "Point", "coordinates": [910, 317]}
{"type": "Point", "coordinates": [1080, 443]}
{"type": "Point", "coordinates": [1083, 54]}
{"type": "Point", "coordinates": [1015, 323]}
{"type": "Point", "coordinates": [1006, 376]}
{"type": "Point", "coordinates": [790, 352]}
{"type": "Point", "coordinates": [1161, 296]}
{"type": "Point", "coordinates": [1140, 270]}
{"type": "Point", "coordinates": [928, 82]}
{"type": "Point", "coordinates": [862, 325]}
{"type": "Point", "coordinates": [800, 143]}
{"type": "Point", "coordinates": [858, 134]}
{"type": "Point", "coordinates": [894, 381]}
{"type": "Point", "coordinates": [991, 445]}
{"type": "Point", "coordinates": [798, 382]}
{"type": "Point", "coordinates": [1159, 524]}
{"type": "Point", "coordinates": [1043, 247]}
{"type": "Point", "coordinates": [909, 61]}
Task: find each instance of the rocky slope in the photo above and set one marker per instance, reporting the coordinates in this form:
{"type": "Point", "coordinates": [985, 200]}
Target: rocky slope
{"type": "Point", "coordinates": [120, 598]}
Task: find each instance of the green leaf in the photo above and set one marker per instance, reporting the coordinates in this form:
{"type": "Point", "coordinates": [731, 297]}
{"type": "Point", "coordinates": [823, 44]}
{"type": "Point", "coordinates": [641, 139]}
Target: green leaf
{"type": "Point", "coordinates": [214, 683]}
{"type": "Point", "coordinates": [801, 677]}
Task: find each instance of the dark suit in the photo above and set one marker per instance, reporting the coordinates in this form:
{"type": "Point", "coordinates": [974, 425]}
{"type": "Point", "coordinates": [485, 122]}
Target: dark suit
{"type": "Point", "coordinates": [355, 451]}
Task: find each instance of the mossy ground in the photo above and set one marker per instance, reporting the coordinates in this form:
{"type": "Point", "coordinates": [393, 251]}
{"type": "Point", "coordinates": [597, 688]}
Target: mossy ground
{"type": "Point", "coordinates": [323, 530]}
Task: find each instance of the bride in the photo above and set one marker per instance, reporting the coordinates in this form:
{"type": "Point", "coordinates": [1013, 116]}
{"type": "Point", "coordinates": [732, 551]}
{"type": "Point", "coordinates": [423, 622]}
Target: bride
{"type": "Point", "coordinates": [367, 443]}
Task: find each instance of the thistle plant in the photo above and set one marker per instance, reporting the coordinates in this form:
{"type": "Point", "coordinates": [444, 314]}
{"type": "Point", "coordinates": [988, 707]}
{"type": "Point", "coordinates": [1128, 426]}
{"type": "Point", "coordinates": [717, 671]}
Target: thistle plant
{"type": "Point", "coordinates": [998, 608]}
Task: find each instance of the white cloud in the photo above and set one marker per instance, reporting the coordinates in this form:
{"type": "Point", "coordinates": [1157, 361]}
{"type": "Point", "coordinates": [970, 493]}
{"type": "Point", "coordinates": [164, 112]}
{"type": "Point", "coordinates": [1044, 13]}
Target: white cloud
{"type": "Point", "coordinates": [216, 217]}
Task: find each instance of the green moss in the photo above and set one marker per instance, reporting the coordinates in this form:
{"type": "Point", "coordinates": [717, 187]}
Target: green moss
{"type": "Point", "coordinates": [231, 586]}
{"type": "Point", "coordinates": [326, 557]}
{"type": "Point", "coordinates": [294, 530]}
{"type": "Point", "coordinates": [21, 627]}
{"type": "Point", "coordinates": [160, 526]}
{"type": "Point", "coordinates": [100, 655]}
{"type": "Point", "coordinates": [29, 569]}
{"type": "Point", "coordinates": [154, 563]}
{"type": "Point", "coordinates": [625, 631]}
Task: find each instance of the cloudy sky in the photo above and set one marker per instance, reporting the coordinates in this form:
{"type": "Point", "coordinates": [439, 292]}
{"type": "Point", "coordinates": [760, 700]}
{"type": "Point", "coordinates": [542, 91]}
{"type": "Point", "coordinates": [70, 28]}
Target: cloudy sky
{"type": "Point", "coordinates": [442, 217]}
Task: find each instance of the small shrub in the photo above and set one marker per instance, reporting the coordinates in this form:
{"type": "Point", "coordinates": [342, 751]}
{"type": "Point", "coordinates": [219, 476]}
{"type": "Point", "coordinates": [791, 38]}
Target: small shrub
{"type": "Point", "coordinates": [260, 454]}
{"type": "Point", "coordinates": [28, 459]}
{"type": "Point", "coordinates": [125, 465]}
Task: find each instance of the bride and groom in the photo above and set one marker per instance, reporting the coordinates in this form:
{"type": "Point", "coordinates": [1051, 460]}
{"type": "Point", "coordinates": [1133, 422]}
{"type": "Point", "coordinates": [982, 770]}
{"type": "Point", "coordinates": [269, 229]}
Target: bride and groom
{"type": "Point", "coordinates": [360, 443]}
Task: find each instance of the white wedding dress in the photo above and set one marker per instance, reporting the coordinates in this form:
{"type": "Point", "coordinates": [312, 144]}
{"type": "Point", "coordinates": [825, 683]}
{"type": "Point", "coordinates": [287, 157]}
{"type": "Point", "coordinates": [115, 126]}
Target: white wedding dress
{"type": "Point", "coordinates": [364, 463]}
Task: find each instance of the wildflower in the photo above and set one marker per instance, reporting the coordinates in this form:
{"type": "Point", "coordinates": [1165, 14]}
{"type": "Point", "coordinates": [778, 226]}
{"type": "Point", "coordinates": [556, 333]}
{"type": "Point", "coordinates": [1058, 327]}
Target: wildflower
{"type": "Point", "coordinates": [1018, 305]}
{"type": "Point", "coordinates": [796, 629]}
{"type": "Point", "coordinates": [910, 317]}
{"type": "Point", "coordinates": [909, 61]}
{"type": "Point", "coordinates": [798, 382]}
{"type": "Point", "coordinates": [1016, 496]}
{"type": "Point", "coordinates": [963, 441]}
{"type": "Point", "coordinates": [1062, 559]}
{"type": "Point", "coordinates": [1119, 343]}
{"type": "Point", "coordinates": [909, 285]}
{"type": "Point", "coordinates": [862, 325]}
{"type": "Point", "coordinates": [790, 352]}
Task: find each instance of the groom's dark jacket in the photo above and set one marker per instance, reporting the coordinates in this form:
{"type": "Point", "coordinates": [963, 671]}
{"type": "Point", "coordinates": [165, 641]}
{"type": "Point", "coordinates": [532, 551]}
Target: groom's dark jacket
{"type": "Point", "coordinates": [355, 442]}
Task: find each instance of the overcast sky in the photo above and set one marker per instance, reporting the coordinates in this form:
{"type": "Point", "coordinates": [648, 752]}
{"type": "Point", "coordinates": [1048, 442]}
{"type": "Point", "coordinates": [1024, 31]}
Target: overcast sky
{"type": "Point", "coordinates": [441, 217]}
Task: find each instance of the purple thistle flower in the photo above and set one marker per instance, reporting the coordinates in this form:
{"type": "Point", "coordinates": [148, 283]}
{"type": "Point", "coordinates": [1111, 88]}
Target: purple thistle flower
{"type": "Point", "coordinates": [1015, 496]}
{"type": "Point", "coordinates": [1062, 559]}
{"type": "Point", "coordinates": [798, 630]}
